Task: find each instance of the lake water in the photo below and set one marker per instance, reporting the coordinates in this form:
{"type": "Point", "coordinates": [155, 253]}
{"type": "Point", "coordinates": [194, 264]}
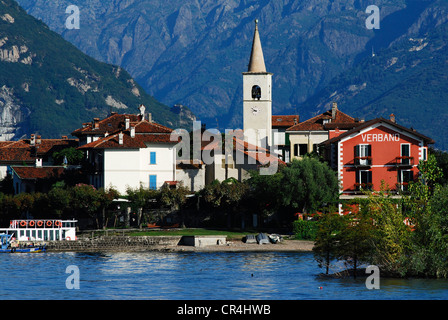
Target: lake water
{"type": "Point", "coordinates": [192, 276]}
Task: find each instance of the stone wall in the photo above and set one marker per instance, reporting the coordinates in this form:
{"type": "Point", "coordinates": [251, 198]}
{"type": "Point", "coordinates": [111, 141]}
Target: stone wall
{"type": "Point", "coordinates": [111, 243]}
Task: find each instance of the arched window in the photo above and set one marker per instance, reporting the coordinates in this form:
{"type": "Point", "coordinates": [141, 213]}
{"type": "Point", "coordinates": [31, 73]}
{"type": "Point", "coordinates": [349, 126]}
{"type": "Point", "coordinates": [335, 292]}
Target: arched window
{"type": "Point", "coordinates": [256, 92]}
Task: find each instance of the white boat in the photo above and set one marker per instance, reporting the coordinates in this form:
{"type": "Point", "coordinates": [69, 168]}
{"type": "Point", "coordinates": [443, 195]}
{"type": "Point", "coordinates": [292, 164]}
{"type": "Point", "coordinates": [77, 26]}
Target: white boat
{"type": "Point", "coordinates": [41, 230]}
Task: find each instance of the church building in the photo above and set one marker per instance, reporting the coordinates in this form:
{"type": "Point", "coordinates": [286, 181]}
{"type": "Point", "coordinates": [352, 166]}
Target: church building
{"type": "Point", "coordinates": [257, 97]}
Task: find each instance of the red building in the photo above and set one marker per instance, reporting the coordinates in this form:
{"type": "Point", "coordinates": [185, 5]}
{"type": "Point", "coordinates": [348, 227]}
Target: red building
{"type": "Point", "coordinates": [374, 152]}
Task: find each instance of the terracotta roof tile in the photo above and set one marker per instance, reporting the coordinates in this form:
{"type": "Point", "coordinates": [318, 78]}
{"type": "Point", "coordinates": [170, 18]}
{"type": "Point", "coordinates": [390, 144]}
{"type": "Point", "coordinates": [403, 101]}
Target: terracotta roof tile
{"type": "Point", "coordinates": [317, 124]}
{"type": "Point", "coordinates": [27, 173]}
{"type": "Point", "coordinates": [285, 121]}
{"type": "Point", "coordinates": [22, 151]}
{"type": "Point", "coordinates": [108, 125]}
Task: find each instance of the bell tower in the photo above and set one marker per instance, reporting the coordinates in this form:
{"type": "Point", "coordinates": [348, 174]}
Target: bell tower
{"type": "Point", "coordinates": [257, 97]}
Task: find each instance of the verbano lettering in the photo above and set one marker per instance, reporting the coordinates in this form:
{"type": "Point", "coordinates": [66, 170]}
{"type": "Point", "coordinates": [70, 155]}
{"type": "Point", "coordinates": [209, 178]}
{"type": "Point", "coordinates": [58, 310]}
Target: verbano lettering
{"type": "Point", "coordinates": [380, 137]}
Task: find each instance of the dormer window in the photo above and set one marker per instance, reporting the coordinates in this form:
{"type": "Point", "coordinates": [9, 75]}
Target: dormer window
{"type": "Point", "coordinates": [256, 92]}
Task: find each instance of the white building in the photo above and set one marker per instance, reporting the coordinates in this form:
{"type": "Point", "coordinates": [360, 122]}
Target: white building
{"type": "Point", "coordinates": [140, 153]}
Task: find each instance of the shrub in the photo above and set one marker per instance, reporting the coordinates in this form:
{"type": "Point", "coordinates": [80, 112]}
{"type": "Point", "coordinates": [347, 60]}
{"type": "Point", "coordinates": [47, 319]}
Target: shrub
{"type": "Point", "coordinates": [305, 229]}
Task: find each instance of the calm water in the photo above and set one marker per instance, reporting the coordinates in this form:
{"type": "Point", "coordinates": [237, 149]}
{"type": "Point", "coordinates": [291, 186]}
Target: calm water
{"type": "Point", "coordinates": [179, 276]}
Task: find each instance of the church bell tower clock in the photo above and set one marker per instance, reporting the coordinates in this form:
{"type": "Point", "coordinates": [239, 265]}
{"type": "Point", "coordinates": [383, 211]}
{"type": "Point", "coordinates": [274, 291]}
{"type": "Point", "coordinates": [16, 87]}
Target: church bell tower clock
{"type": "Point", "coordinates": [257, 97]}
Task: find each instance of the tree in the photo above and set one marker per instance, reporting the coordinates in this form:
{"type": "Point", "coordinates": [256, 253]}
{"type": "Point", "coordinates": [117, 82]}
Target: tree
{"type": "Point", "coordinates": [355, 240]}
{"type": "Point", "coordinates": [72, 155]}
{"type": "Point", "coordinates": [326, 245]}
{"type": "Point", "coordinates": [225, 197]}
{"type": "Point", "coordinates": [142, 198]}
{"type": "Point", "coordinates": [85, 198]}
{"type": "Point", "coordinates": [305, 185]}
{"type": "Point", "coordinates": [106, 198]}
{"type": "Point", "coordinates": [390, 236]}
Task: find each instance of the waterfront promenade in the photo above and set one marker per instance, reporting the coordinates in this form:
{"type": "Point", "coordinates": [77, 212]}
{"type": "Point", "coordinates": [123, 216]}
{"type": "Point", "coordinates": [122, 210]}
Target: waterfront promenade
{"type": "Point", "coordinates": [172, 244]}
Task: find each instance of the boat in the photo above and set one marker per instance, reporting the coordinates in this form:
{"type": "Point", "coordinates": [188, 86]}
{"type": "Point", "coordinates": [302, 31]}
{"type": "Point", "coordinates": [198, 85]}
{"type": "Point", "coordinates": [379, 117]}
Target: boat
{"type": "Point", "coordinates": [262, 238]}
{"type": "Point", "coordinates": [250, 238]}
{"type": "Point", "coordinates": [7, 247]}
{"type": "Point", "coordinates": [274, 238]}
{"type": "Point", "coordinates": [42, 230]}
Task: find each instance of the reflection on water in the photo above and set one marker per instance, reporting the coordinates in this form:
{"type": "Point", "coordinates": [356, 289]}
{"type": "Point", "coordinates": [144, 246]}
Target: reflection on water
{"type": "Point", "coordinates": [189, 275]}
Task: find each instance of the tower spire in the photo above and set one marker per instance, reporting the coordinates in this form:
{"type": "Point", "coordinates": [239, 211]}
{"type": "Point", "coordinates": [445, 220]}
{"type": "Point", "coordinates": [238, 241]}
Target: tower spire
{"type": "Point", "coordinates": [256, 63]}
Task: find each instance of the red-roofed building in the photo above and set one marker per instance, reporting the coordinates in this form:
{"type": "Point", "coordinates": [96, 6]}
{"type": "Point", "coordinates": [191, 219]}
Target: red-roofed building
{"type": "Point", "coordinates": [280, 142]}
{"type": "Point", "coordinates": [305, 136]}
{"type": "Point", "coordinates": [31, 152]}
{"type": "Point", "coordinates": [375, 152]}
{"type": "Point", "coordinates": [35, 179]}
{"type": "Point", "coordinates": [127, 151]}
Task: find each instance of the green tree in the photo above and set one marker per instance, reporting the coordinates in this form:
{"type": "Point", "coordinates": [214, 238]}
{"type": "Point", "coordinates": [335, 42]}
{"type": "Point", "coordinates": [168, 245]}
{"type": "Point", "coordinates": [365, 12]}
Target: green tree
{"type": "Point", "coordinates": [72, 155]}
{"type": "Point", "coordinates": [225, 197]}
{"type": "Point", "coordinates": [306, 185]}
{"type": "Point", "coordinates": [390, 236]}
{"type": "Point", "coordinates": [327, 241]}
{"type": "Point", "coordinates": [355, 240]}
{"type": "Point", "coordinates": [143, 199]}
{"type": "Point", "coordinates": [85, 199]}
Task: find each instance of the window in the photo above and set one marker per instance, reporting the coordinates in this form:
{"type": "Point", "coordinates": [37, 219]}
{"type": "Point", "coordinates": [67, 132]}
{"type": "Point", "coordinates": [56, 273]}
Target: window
{"type": "Point", "coordinates": [152, 157]}
{"type": "Point", "coordinates": [363, 154]}
{"type": "Point", "coordinates": [303, 149]}
{"type": "Point", "coordinates": [256, 92]}
{"type": "Point", "coordinates": [424, 154]}
{"type": "Point", "coordinates": [153, 182]}
{"type": "Point", "coordinates": [296, 150]}
{"type": "Point", "coordinates": [404, 177]}
{"type": "Point", "coordinates": [364, 180]}
{"type": "Point", "coordinates": [405, 153]}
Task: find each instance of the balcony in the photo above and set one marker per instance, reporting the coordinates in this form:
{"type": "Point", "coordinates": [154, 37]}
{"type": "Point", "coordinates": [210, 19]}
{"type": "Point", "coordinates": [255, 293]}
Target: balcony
{"type": "Point", "coordinates": [404, 161]}
{"type": "Point", "coordinates": [403, 186]}
{"type": "Point", "coordinates": [359, 187]}
{"type": "Point", "coordinates": [363, 161]}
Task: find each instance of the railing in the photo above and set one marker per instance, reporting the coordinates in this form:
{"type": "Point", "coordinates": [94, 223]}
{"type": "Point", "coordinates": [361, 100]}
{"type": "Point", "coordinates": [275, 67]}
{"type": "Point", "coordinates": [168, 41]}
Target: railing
{"type": "Point", "coordinates": [363, 161]}
{"type": "Point", "coordinates": [43, 223]}
{"type": "Point", "coordinates": [363, 186]}
{"type": "Point", "coordinates": [404, 161]}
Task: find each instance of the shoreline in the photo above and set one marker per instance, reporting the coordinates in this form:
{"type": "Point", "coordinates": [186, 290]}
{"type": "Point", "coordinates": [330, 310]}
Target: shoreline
{"type": "Point", "coordinates": [173, 244]}
{"type": "Point", "coordinates": [239, 246]}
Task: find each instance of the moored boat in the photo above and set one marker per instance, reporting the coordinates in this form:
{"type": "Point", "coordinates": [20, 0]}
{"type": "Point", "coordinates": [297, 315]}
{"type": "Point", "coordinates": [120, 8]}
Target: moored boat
{"type": "Point", "coordinates": [8, 247]}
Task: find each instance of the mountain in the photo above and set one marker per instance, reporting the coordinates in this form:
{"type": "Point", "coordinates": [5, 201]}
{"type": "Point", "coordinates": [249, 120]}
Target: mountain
{"type": "Point", "coordinates": [49, 87]}
{"type": "Point", "coordinates": [408, 79]}
{"type": "Point", "coordinates": [193, 52]}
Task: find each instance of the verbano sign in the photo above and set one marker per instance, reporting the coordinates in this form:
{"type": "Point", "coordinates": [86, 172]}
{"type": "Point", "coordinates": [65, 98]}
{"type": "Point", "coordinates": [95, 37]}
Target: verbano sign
{"type": "Point", "coordinates": [380, 137]}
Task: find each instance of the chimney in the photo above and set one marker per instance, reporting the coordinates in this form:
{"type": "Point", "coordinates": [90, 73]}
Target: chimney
{"type": "Point", "coordinates": [149, 117]}
{"type": "Point", "coordinates": [127, 122]}
{"type": "Point", "coordinates": [32, 140]}
{"type": "Point", "coordinates": [64, 137]}
{"type": "Point", "coordinates": [392, 118]}
{"type": "Point", "coordinates": [96, 123]}
{"type": "Point", "coordinates": [334, 108]}
{"type": "Point", "coordinates": [295, 120]}
{"type": "Point", "coordinates": [132, 132]}
{"type": "Point", "coordinates": [38, 140]}
{"type": "Point", "coordinates": [120, 138]}
{"type": "Point", "coordinates": [38, 162]}
{"type": "Point", "coordinates": [142, 111]}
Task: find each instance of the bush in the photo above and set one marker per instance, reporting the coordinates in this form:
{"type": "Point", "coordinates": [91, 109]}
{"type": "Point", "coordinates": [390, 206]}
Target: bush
{"type": "Point", "coordinates": [305, 229]}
